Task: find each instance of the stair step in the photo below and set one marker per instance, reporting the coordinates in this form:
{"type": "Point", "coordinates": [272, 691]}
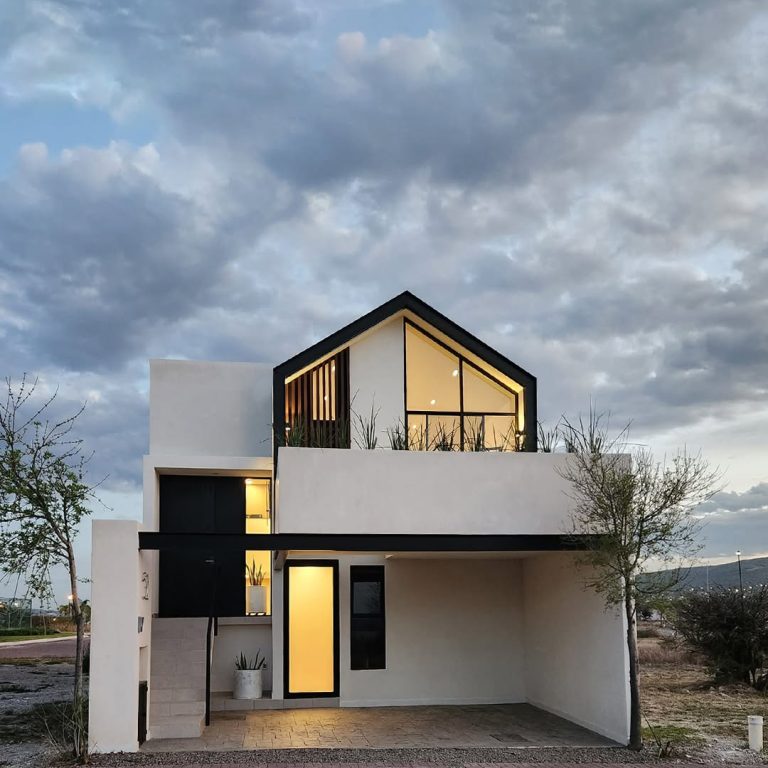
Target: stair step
{"type": "Point", "coordinates": [177, 727]}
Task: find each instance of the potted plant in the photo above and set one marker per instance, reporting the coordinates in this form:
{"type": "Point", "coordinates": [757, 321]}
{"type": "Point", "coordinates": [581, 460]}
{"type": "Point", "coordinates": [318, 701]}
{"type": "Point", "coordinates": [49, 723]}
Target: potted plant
{"type": "Point", "coordinates": [256, 591]}
{"type": "Point", "coordinates": [248, 682]}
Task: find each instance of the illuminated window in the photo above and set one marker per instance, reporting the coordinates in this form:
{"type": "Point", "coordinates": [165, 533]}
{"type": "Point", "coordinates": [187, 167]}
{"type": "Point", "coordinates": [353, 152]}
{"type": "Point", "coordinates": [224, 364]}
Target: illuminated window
{"type": "Point", "coordinates": [451, 404]}
{"type": "Point", "coordinates": [258, 575]}
{"type": "Point", "coordinates": [317, 405]}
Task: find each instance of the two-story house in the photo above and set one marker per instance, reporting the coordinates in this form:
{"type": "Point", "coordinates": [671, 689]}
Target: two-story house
{"type": "Point", "coordinates": [429, 568]}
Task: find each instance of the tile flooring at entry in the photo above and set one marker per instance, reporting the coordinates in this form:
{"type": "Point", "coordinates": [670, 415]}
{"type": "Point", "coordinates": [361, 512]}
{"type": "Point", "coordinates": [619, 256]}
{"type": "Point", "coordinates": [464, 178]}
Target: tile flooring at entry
{"type": "Point", "coordinates": [496, 725]}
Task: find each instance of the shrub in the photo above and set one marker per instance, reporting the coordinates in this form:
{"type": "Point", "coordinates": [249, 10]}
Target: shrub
{"type": "Point", "coordinates": [730, 628]}
{"type": "Point", "coordinates": [646, 632]}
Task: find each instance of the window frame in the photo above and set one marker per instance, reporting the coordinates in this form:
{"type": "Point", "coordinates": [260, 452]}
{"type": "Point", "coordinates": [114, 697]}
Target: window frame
{"type": "Point", "coordinates": [461, 414]}
{"type": "Point", "coordinates": [367, 573]}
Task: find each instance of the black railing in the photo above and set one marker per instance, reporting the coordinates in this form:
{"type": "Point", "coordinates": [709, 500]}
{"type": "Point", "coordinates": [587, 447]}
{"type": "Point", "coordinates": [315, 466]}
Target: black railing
{"type": "Point", "coordinates": [211, 632]}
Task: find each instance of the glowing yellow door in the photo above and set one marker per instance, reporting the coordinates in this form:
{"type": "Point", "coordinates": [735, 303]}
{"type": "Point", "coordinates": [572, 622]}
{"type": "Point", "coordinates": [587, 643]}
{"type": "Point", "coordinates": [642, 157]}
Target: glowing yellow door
{"type": "Point", "coordinates": [312, 632]}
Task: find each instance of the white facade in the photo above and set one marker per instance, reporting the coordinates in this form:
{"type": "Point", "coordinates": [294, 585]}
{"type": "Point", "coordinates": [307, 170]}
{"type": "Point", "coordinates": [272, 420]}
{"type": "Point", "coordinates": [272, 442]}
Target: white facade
{"type": "Point", "coordinates": [461, 627]}
{"type": "Point", "coordinates": [418, 492]}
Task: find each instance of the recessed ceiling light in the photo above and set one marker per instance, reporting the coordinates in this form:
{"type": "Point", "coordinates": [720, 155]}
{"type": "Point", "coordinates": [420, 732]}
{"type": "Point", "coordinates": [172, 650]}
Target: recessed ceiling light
{"type": "Point", "coordinates": [455, 372]}
{"type": "Point", "coordinates": [432, 402]}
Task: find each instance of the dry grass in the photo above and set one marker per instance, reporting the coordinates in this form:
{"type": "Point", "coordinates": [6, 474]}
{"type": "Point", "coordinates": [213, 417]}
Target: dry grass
{"type": "Point", "coordinates": [660, 650]}
{"type": "Point", "coordinates": [681, 697]}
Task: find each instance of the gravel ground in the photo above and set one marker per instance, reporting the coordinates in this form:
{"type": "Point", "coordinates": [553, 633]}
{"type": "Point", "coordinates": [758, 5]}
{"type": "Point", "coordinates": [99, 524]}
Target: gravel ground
{"type": "Point", "coordinates": [381, 757]}
{"type": "Point", "coordinates": [23, 688]}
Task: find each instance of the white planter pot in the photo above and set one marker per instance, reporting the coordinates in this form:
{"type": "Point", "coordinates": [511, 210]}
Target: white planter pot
{"type": "Point", "coordinates": [257, 599]}
{"type": "Point", "coordinates": [247, 684]}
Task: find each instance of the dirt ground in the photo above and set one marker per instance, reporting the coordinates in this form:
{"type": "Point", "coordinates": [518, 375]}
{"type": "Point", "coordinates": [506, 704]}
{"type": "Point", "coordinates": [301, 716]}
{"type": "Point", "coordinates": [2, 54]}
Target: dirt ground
{"type": "Point", "coordinates": [684, 707]}
{"type": "Point", "coordinates": [703, 723]}
{"type": "Point", "coordinates": [30, 690]}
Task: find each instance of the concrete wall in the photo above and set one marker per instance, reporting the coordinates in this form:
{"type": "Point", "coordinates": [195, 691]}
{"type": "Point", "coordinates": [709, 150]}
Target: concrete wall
{"type": "Point", "coordinates": [454, 635]}
{"type": "Point", "coordinates": [234, 638]}
{"type": "Point", "coordinates": [576, 663]}
{"type": "Point", "coordinates": [376, 378]}
{"type": "Point", "coordinates": [210, 409]}
{"type": "Point", "coordinates": [117, 599]}
{"type": "Point", "coordinates": [155, 465]}
{"type": "Point", "coordinates": [421, 492]}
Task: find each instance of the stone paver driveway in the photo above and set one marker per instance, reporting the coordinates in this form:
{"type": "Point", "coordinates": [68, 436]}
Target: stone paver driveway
{"type": "Point", "coordinates": [501, 725]}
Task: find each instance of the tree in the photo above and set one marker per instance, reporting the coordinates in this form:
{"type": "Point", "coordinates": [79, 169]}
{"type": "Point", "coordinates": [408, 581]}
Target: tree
{"type": "Point", "coordinates": [730, 627]}
{"type": "Point", "coordinates": [635, 510]}
{"type": "Point", "coordinates": [43, 497]}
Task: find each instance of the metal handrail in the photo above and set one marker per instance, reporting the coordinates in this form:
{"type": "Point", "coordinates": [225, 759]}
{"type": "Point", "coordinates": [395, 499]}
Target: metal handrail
{"type": "Point", "coordinates": [211, 631]}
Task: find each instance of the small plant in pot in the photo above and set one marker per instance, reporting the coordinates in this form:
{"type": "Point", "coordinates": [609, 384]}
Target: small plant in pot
{"type": "Point", "coordinates": [257, 592]}
{"type": "Point", "coordinates": [248, 676]}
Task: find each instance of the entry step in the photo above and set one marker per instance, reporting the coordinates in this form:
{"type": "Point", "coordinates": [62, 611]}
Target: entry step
{"type": "Point", "coordinates": [222, 701]}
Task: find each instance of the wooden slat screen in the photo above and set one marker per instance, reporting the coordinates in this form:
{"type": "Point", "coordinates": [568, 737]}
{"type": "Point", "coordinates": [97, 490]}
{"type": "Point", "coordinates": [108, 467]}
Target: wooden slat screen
{"type": "Point", "coordinates": [317, 405]}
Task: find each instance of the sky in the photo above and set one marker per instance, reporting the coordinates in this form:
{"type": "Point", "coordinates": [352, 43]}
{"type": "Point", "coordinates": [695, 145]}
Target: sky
{"type": "Point", "coordinates": [580, 184]}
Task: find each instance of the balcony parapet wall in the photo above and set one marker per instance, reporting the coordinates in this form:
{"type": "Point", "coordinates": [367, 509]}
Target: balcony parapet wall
{"type": "Point", "coordinates": [414, 492]}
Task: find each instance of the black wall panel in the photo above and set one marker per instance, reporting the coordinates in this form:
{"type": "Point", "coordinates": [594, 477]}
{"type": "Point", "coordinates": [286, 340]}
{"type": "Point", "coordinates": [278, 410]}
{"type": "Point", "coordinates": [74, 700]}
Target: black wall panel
{"type": "Point", "coordinates": [190, 581]}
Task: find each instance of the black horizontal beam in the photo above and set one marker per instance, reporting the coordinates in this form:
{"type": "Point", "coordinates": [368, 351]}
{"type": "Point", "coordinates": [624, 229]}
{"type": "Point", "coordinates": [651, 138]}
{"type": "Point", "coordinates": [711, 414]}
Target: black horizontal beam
{"type": "Point", "coordinates": [362, 542]}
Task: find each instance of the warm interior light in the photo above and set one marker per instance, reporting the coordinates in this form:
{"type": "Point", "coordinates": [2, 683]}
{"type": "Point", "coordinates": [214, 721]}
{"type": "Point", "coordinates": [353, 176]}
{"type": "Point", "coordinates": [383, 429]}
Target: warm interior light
{"type": "Point", "coordinates": [455, 372]}
{"type": "Point", "coordinates": [310, 630]}
{"type": "Point", "coordinates": [248, 481]}
{"type": "Point", "coordinates": [432, 402]}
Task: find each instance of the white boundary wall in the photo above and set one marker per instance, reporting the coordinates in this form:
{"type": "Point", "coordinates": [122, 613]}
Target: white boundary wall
{"type": "Point", "coordinates": [576, 661]}
{"type": "Point", "coordinates": [119, 652]}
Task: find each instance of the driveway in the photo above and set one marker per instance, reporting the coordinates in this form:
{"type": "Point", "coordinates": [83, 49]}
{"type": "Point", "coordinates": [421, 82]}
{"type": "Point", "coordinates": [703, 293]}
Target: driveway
{"type": "Point", "coordinates": [473, 726]}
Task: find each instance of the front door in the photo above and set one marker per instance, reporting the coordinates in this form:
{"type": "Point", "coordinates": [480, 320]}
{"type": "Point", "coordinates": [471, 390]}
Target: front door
{"type": "Point", "coordinates": [311, 628]}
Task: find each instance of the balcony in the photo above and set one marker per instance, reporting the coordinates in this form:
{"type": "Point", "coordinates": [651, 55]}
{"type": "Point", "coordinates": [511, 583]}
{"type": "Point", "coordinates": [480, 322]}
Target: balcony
{"type": "Point", "coordinates": [421, 492]}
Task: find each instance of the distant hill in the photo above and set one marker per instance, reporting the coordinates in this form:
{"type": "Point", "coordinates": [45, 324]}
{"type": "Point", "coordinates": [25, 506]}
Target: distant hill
{"type": "Point", "coordinates": [753, 571]}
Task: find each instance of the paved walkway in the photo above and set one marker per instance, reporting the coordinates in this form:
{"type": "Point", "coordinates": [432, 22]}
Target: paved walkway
{"type": "Point", "coordinates": [501, 725]}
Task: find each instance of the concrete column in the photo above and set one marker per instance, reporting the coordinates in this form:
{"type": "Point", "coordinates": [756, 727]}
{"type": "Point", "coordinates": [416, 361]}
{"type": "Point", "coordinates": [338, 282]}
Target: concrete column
{"type": "Point", "coordinates": [114, 675]}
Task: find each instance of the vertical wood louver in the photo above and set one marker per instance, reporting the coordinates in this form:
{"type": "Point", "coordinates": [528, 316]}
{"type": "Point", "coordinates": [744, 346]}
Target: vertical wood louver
{"type": "Point", "coordinates": [317, 405]}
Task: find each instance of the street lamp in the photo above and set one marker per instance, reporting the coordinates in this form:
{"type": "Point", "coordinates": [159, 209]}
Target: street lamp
{"type": "Point", "coordinates": [741, 583]}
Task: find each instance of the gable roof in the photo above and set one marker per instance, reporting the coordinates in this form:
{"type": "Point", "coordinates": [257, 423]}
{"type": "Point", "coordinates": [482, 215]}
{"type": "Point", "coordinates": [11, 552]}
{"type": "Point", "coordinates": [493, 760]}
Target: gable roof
{"type": "Point", "coordinates": [406, 301]}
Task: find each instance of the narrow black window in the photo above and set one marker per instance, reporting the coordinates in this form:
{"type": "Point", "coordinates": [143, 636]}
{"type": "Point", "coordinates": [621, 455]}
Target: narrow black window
{"type": "Point", "coordinates": [367, 636]}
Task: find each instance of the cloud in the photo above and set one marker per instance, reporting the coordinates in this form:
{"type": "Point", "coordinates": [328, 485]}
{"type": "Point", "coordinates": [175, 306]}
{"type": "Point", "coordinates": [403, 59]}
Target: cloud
{"type": "Point", "coordinates": [579, 184]}
{"type": "Point", "coordinates": [736, 521]}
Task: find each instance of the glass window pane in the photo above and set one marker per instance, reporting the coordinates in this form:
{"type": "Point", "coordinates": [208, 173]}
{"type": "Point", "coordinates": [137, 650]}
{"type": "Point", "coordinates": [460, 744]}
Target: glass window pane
{"type": "Point", "coordinates": [417, 432]}
{"type": "Point", "coordinates": [366, 598]}
{"type": "Point", "coordinates": [473, 433]}
{"type": "Point", "coordinates": [499, 433]}
{"type": "Point", "coordinates": [432, 374]}
{"type": "Point", "coordinates": [483, 395]}
{"type": "Point", "coordinates": [258, 564]}
{"type": "Point", "coordinates": [443, 433]}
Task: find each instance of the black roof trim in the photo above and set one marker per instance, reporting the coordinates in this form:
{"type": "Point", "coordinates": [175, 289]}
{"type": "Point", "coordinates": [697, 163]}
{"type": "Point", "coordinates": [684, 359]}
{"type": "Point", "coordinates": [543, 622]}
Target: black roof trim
{"type": "Point", "coordinates": [364, 542]}
{"type": "Point", "coordinates": [406, 301]}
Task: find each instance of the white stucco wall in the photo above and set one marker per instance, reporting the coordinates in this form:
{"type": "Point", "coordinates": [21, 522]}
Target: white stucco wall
{"type": "Point", "coordinates": [387, 491]}
{"type": "Point", "coordinates": [117, 599]}
{"type": "Point", "coordinates": [210, 409]}
{"type": "Point", "coordinates": [376, 378]}
{"type": "Point", "coordinates": [453, 634]}
{"type": "Point", "coordinates": [230, 642]}
{"type": "Point", "coordinates": [575, 650]}
{"type": "Point", "coordinates": [453, 630]}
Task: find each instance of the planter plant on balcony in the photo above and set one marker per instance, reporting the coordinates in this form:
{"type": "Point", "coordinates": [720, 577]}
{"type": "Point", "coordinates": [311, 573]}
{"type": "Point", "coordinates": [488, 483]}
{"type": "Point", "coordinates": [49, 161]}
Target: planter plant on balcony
{"type": "Point", "coordinates": [248, 683]}
{"type": "Point", "coordinates": [256, 591]}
